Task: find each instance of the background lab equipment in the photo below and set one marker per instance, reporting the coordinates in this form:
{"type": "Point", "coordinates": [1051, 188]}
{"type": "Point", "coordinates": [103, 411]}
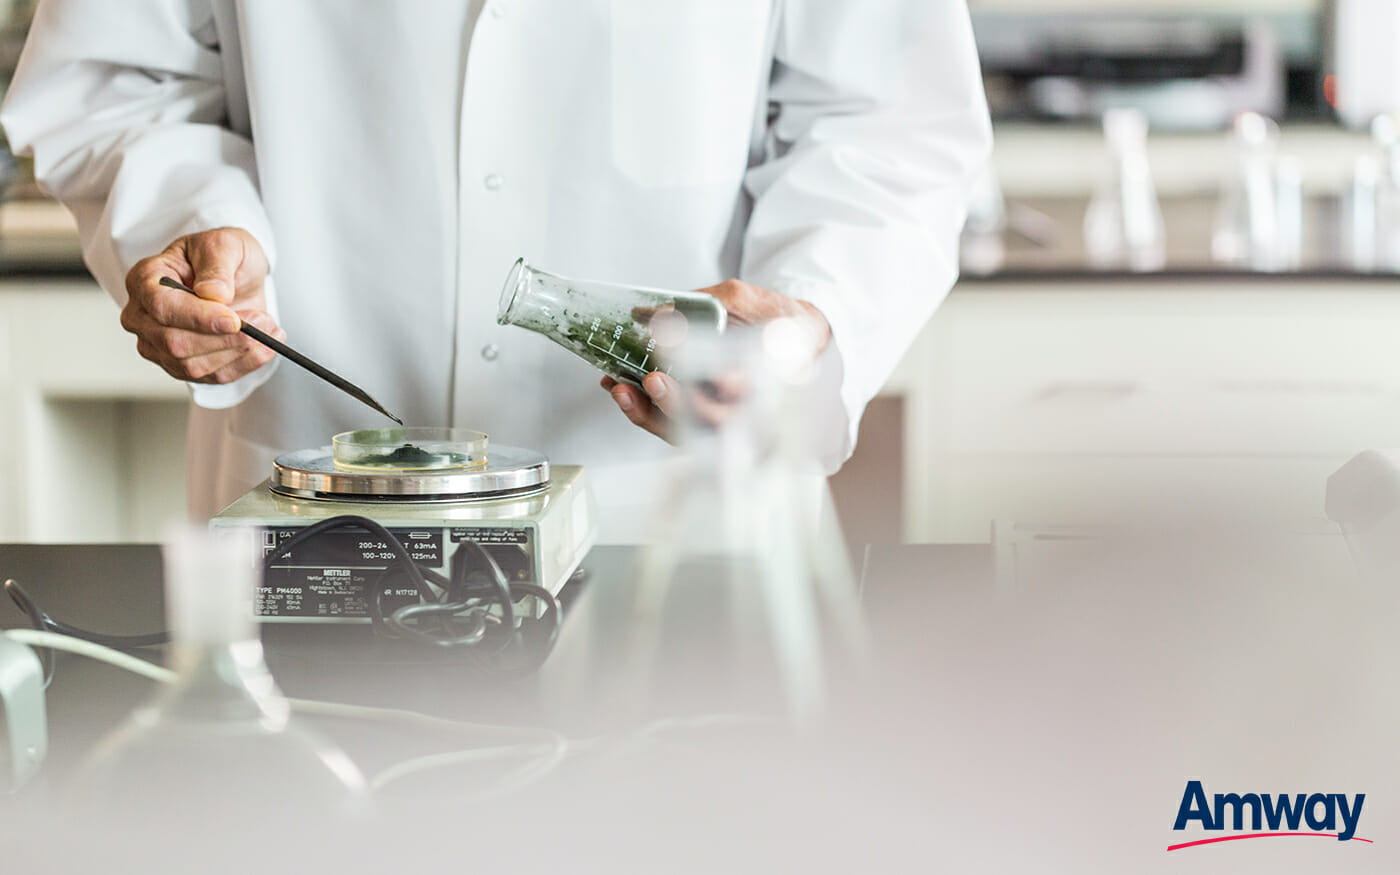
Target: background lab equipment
{"type": "Point", "coordinates": [1183, 68]}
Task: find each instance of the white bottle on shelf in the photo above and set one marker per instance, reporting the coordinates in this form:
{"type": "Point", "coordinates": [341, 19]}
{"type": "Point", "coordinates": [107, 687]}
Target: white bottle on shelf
{"type": "Point", "coordinates": [1386, 212]}
{"type": "Point", "coordinates": [1247, 223]}
{"type": "Point", "coordinates": [1288, 197]}
{"type": "Point", "coordinates": [1123, 227]}
{"type": "Point", "coordinates": [1359, 214]}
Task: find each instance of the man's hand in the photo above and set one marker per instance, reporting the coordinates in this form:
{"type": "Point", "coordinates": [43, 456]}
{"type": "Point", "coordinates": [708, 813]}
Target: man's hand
{"type": "Point", "coordinates": [746, 304]}
{"type": "Point", "coordinates": [197, 338]}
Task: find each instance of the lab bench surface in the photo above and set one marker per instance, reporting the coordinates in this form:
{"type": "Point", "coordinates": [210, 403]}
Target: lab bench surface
{"type": "Point", "coordinates": [116, 589]}
{"type": "Point", "coordinates": [1099, 669]}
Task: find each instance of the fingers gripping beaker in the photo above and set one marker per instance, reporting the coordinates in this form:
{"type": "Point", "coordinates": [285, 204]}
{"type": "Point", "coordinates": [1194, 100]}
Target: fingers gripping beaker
{"type": "Point", "coordinates": [615, 328]}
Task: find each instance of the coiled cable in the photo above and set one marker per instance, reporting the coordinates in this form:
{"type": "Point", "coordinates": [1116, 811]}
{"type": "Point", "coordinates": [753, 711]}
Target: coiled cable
{"type": "Point", "coordinates": [453, 611]}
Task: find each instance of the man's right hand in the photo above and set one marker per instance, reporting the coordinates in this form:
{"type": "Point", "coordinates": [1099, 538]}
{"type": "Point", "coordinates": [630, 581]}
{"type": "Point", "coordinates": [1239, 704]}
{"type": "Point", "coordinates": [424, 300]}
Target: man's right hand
{"type": "Point", "coordinates": [197, 338]}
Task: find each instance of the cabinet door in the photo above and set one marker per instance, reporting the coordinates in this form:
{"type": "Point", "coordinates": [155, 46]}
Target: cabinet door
{"type": "Point", "coordinates": [93, 436]}
{"type": "Point", "coordinates": [1029, 394]}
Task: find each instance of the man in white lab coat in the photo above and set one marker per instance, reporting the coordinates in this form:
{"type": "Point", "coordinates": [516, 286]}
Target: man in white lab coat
{"type": "Point", "coordinates": [358, 177]}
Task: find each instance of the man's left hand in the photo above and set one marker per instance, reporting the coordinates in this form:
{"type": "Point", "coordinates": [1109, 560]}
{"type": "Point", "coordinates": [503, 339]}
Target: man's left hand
{"type": "Point", "coordinates": [746, 304]}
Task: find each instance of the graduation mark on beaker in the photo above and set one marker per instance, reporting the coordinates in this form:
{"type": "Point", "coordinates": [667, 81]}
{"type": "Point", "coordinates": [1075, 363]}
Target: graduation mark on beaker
{"type": "Point", "coordinates": [608, 345]}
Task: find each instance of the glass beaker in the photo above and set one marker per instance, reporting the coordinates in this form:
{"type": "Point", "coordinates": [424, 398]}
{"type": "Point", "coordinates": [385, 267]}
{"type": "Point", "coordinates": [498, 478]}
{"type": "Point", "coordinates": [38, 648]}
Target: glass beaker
{"type": "Point", "coordinates": [1288, 197]}
{"type": "Point", "coordinates": [613, 327]}
{"type": "Point", "coordinates": [218, 747]}
{"type": "Point", "coordinates": [1246, 232]}
{"type": "Point", "coordinates": [1123, 225]}
{"type": "Point", "coordinates": [1386, 135]}
{"type": "Point", "coordinates": [746, 603]}
{"type": "Point", "coordinates": [1359, 214]}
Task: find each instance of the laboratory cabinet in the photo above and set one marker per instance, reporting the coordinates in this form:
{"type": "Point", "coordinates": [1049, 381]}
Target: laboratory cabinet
{"type": "Point", "coordinates": [1077, 402]}
{"type": "Point", "coordinates": [92, 444]}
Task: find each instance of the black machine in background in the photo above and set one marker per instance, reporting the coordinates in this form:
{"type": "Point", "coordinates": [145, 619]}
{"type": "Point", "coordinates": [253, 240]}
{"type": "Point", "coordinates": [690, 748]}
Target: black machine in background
{"type": "Point", "coordinates": [1187, 68]}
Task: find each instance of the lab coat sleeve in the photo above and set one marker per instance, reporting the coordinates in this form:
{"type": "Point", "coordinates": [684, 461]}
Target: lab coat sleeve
{"type": "Point", "coordinates": [122, 107]}
{"type": "Point", "coordinates": [878, 126]}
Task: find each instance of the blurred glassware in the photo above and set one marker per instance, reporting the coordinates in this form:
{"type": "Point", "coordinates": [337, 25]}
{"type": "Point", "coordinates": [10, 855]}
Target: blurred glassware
{"type": "Point", "coordinates": [1386, 137]}
{"type": "Point", "coordinates": [1288, 196]}
{"type": "Point", "coordinates": [218, 747]}
{"type": "Point", "coordinates": [746, 603]}
{"type": "Point", "coordinates": [1123, 226]}
{"type": "Point", "coordinates": [983, 249]}
{"type": "Point", "coordinates": [1359, 214]}
{"type": "Point", "coordinates": [1246, 231]}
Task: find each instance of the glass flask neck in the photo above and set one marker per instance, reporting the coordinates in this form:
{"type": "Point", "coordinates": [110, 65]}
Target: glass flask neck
{"type": "Point", "coordinates": [216, 653]}
{"type": "Point", "coordinates": [224, 682]}
{"type": "Point", "coordinates": [519, 305]}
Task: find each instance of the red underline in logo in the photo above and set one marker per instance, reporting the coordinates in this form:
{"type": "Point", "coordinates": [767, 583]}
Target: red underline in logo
{"type": "Point", "coordinates": [1261, 835]}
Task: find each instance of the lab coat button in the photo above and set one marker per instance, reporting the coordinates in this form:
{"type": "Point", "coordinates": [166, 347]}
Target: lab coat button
{"type": "Point", "coordinates": [493, 182]}
{"type": "Point", "coordinates": [498, 10]}
{"type": "Point", "coordinates": [489, 352]}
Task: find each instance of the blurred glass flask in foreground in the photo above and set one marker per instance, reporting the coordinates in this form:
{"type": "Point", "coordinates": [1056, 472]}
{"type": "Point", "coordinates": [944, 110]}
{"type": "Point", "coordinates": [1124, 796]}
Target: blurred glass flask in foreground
{"type": "Point", "coordinates": [746, 602]}
{"type": "Point", "coordinates": [218, 745]}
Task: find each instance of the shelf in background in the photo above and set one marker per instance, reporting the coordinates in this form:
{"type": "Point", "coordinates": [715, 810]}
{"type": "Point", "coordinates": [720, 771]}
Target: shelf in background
{"type": "Point", "coordinates": [38, 238]}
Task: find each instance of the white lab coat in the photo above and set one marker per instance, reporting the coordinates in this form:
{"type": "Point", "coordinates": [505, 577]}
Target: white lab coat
{"type": "Point", "coordinates": [394, 158]}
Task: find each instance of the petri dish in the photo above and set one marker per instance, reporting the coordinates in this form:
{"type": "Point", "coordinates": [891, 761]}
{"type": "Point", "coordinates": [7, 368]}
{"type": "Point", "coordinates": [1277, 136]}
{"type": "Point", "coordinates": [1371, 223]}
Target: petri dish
{"type": "Point", "coordinates": [409, 449]}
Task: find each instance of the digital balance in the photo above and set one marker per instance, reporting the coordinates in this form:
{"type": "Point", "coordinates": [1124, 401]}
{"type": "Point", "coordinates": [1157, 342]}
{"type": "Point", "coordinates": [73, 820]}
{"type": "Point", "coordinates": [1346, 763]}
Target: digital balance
{"type": "Point", "coordinates": [434, 491]}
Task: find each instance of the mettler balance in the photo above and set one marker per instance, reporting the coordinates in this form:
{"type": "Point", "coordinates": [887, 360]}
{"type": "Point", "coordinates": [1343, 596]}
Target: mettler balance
{"type": "Point", "coordinates": [434, 492]}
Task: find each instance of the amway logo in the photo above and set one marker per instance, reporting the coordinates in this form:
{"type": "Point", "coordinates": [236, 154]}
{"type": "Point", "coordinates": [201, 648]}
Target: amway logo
{"type": "Point", "coordinates": [1320, 811]}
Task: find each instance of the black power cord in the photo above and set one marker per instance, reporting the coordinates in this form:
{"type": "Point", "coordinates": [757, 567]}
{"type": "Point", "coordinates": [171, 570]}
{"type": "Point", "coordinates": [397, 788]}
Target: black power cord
{"type": "Point", "coordinates": [467, 594]}
{"type": "Point", "coordinates": [457, 614]}
{"type": "Point", "coordinates": [40, 619]}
